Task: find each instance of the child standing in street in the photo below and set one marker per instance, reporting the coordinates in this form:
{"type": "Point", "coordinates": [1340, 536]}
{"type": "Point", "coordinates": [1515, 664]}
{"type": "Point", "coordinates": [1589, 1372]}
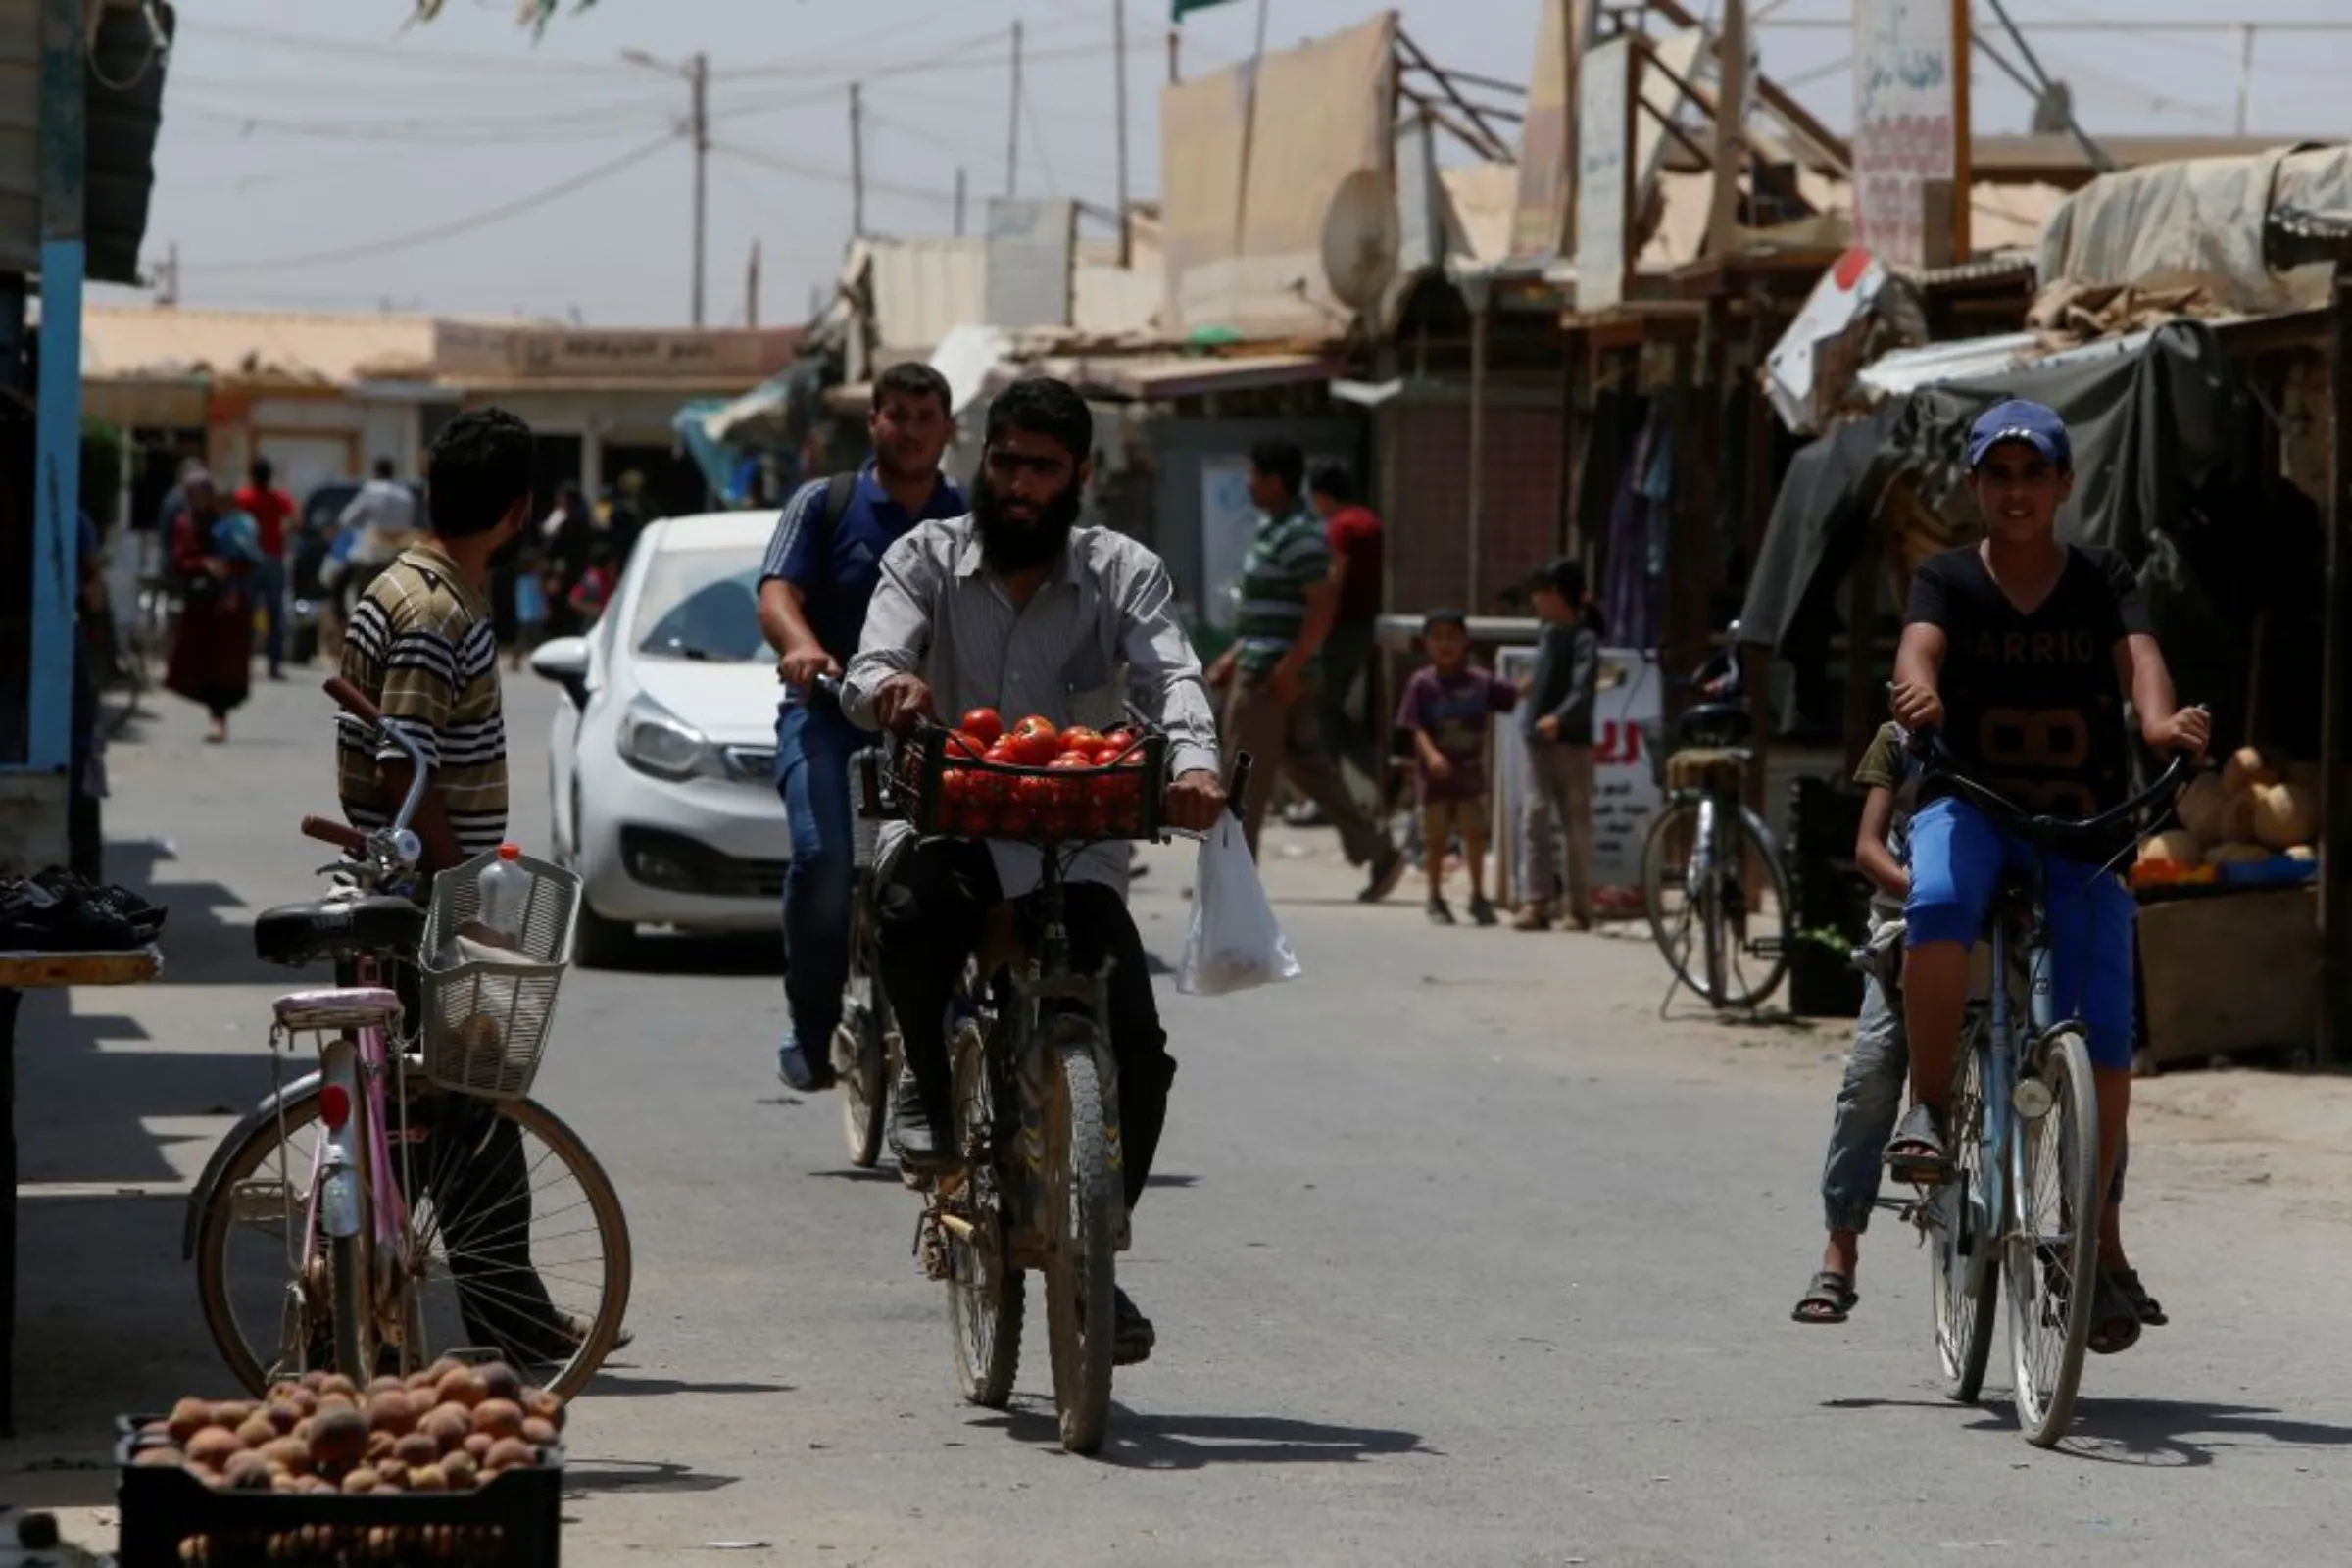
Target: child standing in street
{"type": "Point", "coordinates": [1447, 708]}
{"type": "Point", "coordinates": [1559, 726]}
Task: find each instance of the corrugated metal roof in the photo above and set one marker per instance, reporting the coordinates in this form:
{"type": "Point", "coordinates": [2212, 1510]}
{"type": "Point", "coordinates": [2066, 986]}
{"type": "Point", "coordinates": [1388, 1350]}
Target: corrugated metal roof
{"type": "Point", "coordinates": [1973, 358]}
{"type": "Point", "coordinates": [121, 341]}
{"type": "Point", "coordinates": [1162, 376]}
{"type": "Point", "coordinates": [922, 287]}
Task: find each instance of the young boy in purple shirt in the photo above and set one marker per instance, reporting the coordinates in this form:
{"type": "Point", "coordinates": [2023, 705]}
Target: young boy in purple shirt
{"type": "Point", "coordinates": [1447, 708]}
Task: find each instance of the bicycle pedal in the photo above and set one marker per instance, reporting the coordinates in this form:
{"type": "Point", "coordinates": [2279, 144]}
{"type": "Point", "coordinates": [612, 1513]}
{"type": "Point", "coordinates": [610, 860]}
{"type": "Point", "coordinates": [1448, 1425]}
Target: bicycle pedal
{"type": "Point", "coordinates": [1766, 946]}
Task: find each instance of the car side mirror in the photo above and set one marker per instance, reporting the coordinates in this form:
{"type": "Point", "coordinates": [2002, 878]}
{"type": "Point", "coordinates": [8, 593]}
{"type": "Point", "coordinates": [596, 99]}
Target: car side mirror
{"type": "Point", "coordinates": [565, 660]}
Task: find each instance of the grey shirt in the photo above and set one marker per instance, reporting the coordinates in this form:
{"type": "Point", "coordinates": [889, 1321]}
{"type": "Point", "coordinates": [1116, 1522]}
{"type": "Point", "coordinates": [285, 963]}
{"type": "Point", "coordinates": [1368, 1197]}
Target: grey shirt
{"type": "Point", "coordinates": [1567, 675]}
{"type": "Point", "coordinates": [1102, 629]}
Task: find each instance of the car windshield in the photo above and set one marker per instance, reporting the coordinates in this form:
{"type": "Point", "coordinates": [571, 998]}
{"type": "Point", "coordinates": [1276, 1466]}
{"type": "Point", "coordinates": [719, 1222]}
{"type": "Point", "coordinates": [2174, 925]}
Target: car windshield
{"type": "Point", "coordinates": [702, 604]}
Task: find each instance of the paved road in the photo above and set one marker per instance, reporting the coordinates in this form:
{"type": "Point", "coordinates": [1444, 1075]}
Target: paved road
{"type": "Point", "coordinates": [1457, 1255]}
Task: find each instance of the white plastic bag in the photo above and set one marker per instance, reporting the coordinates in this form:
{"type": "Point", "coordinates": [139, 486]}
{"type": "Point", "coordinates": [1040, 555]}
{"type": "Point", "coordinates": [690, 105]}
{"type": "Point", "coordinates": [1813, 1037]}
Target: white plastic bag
{"type": "Point", "coordinates": [1235, 942]}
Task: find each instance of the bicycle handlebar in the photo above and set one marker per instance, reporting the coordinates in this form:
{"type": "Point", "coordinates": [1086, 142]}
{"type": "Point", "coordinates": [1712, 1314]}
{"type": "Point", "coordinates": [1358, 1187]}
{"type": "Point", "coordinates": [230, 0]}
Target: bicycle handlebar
{"type": "Point", "coordinates": [394, 848]}
{"type": "Point", "coordinates": [1930, 748]}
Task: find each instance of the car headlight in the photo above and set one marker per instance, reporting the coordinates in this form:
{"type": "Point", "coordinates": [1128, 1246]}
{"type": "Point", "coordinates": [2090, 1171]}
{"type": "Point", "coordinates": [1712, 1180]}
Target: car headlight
{"type": "Point", "coordinates": [655, 741]}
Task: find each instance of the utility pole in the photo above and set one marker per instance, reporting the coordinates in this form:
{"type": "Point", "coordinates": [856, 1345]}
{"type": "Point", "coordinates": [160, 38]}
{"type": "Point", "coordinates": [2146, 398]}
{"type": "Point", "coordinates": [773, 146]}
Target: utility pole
{"type": "Point", "coordinates": [751, 290]}
{"type": "Point", "coordinates": [167, 277]}
{"type": "Point", "coordinates": [1013, 130]}
{"type": "Point", "coordinates": [698, 77]}
{"type": "Point", "coordinates": [2245, 74]}
{"type": "Point", "coordinates": [959, 201]}
{"type": "Point", "coordinates": [1731, 131]}
{"type": "Point", "coordinates": [1175, 56]}
{"type": "Point", "coordinates": [696, 72]}
{"type": "Point", "coordinates": [1118, 50]}
{"type": "Point", "coordinates": [856, 163]}
{"type": "Point", "coordinates": [1964, 145]}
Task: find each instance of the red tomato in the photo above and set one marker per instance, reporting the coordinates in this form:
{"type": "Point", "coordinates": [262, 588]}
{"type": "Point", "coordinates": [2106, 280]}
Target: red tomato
{"type": "Point", "coordinates": [1078, 738]}
{"type": "Point", "coordinates": [1075, 756]}
{"type": "Point", "coordinates": [1033, 748]}
{"type": "Point", "coordinates": [1013, 820]}
{"type": "Point", "coordinates": [1033, 794]}
{"type": "Point", "coordinates": [985, 722]}
{"type": "Point", "coordinates": [1105, 755]}
{"type": "Point", "coordinates": [1122, 737]}
{"type": "Point", "coordinates": [1034, 724]}
{"type": "Point", "coordinates": [974, 820]}
{"type": "Point", "coordinates": [952, 784]}
{"type": "Point", "coordinates": [966, 743]}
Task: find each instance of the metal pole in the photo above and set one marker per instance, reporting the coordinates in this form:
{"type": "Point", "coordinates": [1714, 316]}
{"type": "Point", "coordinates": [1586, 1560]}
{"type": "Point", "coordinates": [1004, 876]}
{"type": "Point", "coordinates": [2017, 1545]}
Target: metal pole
{"type": "Point", "coordinates": [1481, 318]}
{"type": "Point", "coordinates": [2334, 975]}
{"type": "Point", "coordinates": [857, 164]}
{"type": "Point", "coordinates": [57, 429]}
{"type": "Point", "coordinates": [1175, 57]}
{"type": "Point", "coordinates": [698, 77]}
{"type": "Point", "coordinates": [2245, 74]}
{"type": "Point", "coordinates": [1118, 49]}
{"type": "Point", "coordinates": [1012, 121]}
{"type": "Point", "coordinates": [1241, 194]}
{"type": "Point", "coordinates": [959, 201]}
{"type": "Point", "coordinates": [751, 290]}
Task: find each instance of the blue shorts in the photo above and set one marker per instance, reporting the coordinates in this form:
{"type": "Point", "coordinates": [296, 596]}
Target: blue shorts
{"type": "Point", "coordinates": [1957, 858]}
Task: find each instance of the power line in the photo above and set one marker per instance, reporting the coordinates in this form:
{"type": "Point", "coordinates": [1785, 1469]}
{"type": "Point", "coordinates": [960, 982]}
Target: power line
{"type": "Point", "coordinates": [778, 164]}
{"type": "Point", "coordinates": [470, 130]}
{"type": "Point", "coordinates": [385, 52]}
{"type": "Point", "coordinates": [1045, 158]}
{"type": "Point", "coordinates": [456, 226]}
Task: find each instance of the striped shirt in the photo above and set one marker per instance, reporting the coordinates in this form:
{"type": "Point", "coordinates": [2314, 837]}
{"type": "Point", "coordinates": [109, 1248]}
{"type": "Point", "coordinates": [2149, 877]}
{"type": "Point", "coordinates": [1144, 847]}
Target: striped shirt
{"type": "Point", "coordinates": [1290, 554]}
{"type": "Point", "coordinates": [421, 647]}
{"type": "Point", "coordinates": [1101, 630]}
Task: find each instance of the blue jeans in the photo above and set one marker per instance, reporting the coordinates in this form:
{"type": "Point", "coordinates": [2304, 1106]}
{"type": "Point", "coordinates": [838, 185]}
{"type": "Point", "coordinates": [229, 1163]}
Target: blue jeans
{"type": "Point", "coordinates": [269, 587]}
{"type": "Point", "coordinates": [1868, 1103]}
{"type": "Point", "coordinates": [1957, 857]}
{"type": "Point", "coordinates": [813, 747]}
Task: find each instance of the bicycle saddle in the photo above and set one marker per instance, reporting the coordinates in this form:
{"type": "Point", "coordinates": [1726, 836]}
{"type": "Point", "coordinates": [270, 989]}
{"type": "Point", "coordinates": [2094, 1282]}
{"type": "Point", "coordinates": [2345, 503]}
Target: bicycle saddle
{"type": "Point", "coordinates": [1715, 724]}
{"type": "Point", "coordinates": [299, 934]}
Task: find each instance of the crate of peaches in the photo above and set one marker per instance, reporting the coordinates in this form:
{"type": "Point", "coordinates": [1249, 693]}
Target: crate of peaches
{"type": "Point", "coordinates": [1032, 780]}
{"type": "Point", "coordinates": [457, 1465]}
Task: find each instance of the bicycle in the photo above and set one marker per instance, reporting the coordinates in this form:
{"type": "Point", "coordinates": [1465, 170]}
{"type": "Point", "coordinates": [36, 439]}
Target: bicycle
{"type": "Point", "coordinates": [2013, 1114]}
{"type": "Point", "coordinates": [398, 1183]}
{"type": "Point", "coordinates": [1035, 1091]}
{"type": "Point", "coordinates": [865, 1043]}
{"type": "Point", "coordinates": [1695, 860]}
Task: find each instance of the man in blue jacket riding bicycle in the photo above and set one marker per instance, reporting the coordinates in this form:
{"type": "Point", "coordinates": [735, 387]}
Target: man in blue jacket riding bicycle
{"type": "Point", "coordinates": [2014, 649]}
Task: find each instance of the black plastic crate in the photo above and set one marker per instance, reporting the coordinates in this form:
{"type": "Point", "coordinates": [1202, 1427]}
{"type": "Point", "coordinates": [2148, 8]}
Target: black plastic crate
{"type": "Point", "coordinates": [513, 1521]}
{"type": "Point", "coordinates": [1119, 799]}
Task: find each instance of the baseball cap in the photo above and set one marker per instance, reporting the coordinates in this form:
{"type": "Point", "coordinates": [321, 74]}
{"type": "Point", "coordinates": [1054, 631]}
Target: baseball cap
{"type": "Point", "coordinates": [1562, 574]}
{"type": "Point", "coordinates": [2039, 426]}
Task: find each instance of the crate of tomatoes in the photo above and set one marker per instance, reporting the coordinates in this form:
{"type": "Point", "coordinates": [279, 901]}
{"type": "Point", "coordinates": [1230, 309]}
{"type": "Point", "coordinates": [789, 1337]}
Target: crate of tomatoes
{"type": "Point", "coordinates": [1032, 780]}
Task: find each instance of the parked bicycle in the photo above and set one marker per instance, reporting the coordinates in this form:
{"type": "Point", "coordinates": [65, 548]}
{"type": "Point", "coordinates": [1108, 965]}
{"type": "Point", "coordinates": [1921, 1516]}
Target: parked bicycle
{"type": "Point", "coordinates": [1725, 935]}
{"type": "Point", "coordinates": [409, 1199]}
{"type": "Point", "coordinates": [2024, 1201]}
{"type": "Point", "coordinates": [1036, 1087]}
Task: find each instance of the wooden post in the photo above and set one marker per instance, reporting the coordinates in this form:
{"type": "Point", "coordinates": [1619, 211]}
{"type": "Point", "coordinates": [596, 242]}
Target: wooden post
{"type": "Point", "coordinates": [1731, 132]}
{"type": "Point", "coordinates": [2336, 696]}
{"type": "Point", "coordinates": [1963, 152]}
{"type": "Point", "coordinates": [1482, 314]}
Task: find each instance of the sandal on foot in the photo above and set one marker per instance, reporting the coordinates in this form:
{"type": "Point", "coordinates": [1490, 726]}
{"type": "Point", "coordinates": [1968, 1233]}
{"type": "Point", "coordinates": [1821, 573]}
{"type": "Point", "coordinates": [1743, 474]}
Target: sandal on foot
{"type": "Point", "coordinates": [1829, 1300]}
{"type": "Point", "coordinates": [2150, 1311]}
{"type": "Point", "coordinates": [2117, 1326]}
{"type": "Point", "coordinates": [1916, 1153]}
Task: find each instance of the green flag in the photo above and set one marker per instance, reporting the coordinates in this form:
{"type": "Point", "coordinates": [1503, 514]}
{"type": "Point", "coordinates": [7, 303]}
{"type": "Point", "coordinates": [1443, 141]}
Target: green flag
{"type": "Point", "coordinates": [1185, 6]}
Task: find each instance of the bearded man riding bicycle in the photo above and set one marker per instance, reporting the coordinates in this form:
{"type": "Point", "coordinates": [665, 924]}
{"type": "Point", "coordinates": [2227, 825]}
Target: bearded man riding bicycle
{"type": "Point", "coordinates": [2014, 648]}
{"type": "Point", "coordinates": [1018, 608]}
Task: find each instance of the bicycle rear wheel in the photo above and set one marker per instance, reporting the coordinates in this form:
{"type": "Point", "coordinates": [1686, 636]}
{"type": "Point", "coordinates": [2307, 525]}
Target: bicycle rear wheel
{"type": "Point", "coordinates": [2053, 1253]}
{"type": "Point", "coordinates": [514, 1243]}
{"type": "Point", "coordinates": [1961, 1256]}
{"type": "Point", "coordinates": [985, 1287]}
{"type": "Point", "coordinates": [860, 1053]}
{"type": "Point", "coordinates": [1726, 940]}
{"type": "Point", "coordinates": [1081, 1215]}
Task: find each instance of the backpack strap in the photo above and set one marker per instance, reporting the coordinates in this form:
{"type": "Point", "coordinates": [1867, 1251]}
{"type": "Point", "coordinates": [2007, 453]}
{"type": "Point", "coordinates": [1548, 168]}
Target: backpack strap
{"type": "Point", "coordinates": [838, 491]}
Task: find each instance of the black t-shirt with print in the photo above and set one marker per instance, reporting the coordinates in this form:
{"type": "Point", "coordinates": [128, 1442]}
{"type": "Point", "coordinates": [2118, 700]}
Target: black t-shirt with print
{"type": "Point", "coordinates": [2033, 707]}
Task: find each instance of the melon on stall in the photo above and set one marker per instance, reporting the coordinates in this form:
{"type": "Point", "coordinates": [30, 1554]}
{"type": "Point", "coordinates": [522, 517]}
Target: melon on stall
{"type": "Point", "coordinates": [2302, 852]}
{"type": "Point", "coordinates": [2177, 847]}
{"type": "Point", "coordinates": [2246, 767]}
{"type": "Point", "coordinates": [2284, 814]}
{"type": "Point", "coordinates": [2236, 855]}
{"type": "Point", "coordinates": [2203, 806]}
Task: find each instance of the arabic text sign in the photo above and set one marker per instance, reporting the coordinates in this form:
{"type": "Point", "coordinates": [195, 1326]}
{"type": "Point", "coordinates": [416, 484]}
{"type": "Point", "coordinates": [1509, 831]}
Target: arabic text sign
{"type": "Point", "coordinates": [1604, 174]}
{"type": "Point", "coordinates": [1905, 119]}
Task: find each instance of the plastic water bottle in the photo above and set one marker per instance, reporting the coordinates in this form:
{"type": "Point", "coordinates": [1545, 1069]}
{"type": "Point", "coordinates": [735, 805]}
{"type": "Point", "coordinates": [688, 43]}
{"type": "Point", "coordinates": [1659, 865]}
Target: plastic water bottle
{"type": "Point", "coordinates": [504, 887]}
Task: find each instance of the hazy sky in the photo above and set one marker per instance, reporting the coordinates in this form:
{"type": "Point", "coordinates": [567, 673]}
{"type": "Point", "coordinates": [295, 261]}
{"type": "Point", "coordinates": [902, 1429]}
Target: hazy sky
{"type": "Point", "coordinates": [305, 148]}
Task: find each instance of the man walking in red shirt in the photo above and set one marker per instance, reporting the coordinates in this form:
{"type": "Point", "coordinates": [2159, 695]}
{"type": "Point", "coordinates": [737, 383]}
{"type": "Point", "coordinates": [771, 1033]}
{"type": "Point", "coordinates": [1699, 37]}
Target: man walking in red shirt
{"type": "Point", "coordinates": [269, 507]}
{"type": "Point", "coordinates": [1350, 649]}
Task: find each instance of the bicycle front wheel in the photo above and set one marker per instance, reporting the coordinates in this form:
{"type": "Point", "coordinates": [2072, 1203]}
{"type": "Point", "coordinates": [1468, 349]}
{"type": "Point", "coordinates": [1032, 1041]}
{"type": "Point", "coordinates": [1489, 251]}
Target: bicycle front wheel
{"type": "Point", "coordinates": [2053, 1254]}
{"type": "Point", "coordinates": [1723, 933]}
{"type": "Point", "coordinates": [860, 1052]}
{"type": "Point", "coordinates": [1082, 1199]}
{"type": "Point", "coordinates": [1961, 1244]}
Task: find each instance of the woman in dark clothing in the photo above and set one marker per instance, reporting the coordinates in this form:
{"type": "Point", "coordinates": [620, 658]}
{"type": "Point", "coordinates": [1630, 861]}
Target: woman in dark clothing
{"type": "Point", "coordinates": [564, 541]}
{"type": "Point", "coordinates": [212, 657]}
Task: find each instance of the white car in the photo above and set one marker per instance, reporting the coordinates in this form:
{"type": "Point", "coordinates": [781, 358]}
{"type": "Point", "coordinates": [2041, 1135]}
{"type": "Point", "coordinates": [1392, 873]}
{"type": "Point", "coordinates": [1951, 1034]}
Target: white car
{"type": "Point", "coordinates": [662, 760]}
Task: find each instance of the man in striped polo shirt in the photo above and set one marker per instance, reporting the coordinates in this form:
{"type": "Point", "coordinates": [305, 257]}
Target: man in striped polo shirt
{"type": "Point", "coordinates": [421, 646]}
{"type": "Point", "coordinates": [1271, 675]}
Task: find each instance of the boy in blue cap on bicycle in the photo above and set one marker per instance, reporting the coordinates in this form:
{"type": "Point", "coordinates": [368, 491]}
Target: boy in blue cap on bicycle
{"type": "Point", "coordinates": [2019, 650]}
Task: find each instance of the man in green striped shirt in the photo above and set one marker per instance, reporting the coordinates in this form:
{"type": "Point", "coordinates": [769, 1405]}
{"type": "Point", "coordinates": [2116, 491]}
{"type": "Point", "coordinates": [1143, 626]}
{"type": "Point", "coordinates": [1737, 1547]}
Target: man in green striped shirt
{"type": "Point", "coordinates": [1271, 676]}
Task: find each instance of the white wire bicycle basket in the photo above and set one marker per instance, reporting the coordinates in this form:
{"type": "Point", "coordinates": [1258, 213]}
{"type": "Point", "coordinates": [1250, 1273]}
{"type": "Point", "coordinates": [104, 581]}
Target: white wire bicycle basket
{"type": "Point", "coordinates": [487, 1007]}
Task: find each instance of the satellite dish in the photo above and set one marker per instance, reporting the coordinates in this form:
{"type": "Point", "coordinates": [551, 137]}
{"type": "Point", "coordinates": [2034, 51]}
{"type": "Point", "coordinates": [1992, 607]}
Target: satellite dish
{"type": "Point", "coordinates": [1361, 237]}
